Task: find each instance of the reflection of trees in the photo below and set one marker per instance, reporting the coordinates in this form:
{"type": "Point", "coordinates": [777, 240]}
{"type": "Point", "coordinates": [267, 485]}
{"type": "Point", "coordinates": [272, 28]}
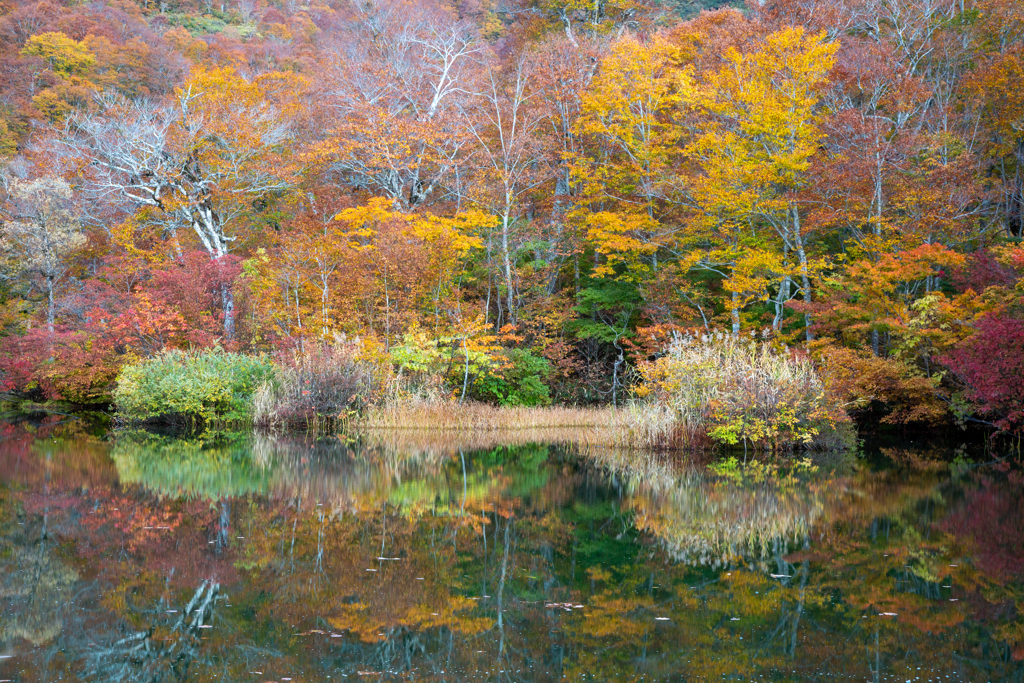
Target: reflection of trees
{"type": "Point", "coordinates": [161, 652]}
{"type": "Point", "coordinates": [704, 520]}
{"type": "Point", "coordinates": [34, 589]}
{"type": "Point", "coordinates": [528, 564]}
{"type": "Point", "coordinates": [28, 450]}
{"type": "Point", "coordinates": [340, 476]}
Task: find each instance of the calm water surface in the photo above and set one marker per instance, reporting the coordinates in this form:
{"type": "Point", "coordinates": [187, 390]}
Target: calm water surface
{"type": "Point", "coordinates": [145, 558]}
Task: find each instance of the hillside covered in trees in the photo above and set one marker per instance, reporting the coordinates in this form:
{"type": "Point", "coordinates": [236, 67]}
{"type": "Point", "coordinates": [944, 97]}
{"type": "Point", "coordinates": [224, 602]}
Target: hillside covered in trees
{"type": "Point", "coordinates": [526, 201]}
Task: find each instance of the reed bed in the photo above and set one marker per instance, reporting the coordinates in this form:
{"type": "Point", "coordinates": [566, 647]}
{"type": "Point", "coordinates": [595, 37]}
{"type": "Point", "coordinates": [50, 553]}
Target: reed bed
{"type": "Point", "coordinates": [450, 426]}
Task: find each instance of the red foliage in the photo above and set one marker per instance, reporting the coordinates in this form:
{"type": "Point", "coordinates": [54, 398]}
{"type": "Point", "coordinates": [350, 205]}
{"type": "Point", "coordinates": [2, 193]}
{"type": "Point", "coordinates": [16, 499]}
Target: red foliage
{"type": "Point", "coordinates": [991, 366]}
{"type": "Point", "coordinates": [138, 524]}
{"type": "Point", "coordinates": [992, 516]}
{"type": "Point", "coordinates": [982, 271]}
{"type": "Point", "coordinates": [129, 310]}
{"type": "Point", "coordinates": [191, 286]}
{"type": "Point", "coordinates": [70, 364]}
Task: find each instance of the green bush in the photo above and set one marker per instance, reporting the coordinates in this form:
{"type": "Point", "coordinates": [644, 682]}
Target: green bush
{"type": "Point", "coordinates": [198, 388]}
{"type": "Point", "coordinates": [518, 381]}
{"type": "Point", "coordinates": [214, 467]}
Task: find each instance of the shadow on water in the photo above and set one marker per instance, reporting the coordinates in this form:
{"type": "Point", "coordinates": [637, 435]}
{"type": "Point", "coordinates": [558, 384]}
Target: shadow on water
{"type": "Point", "coordinates": [252, 558]}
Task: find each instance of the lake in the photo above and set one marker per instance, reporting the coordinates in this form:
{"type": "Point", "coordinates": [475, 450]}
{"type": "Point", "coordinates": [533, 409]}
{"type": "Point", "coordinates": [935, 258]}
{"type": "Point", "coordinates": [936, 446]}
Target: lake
{"type": "Point", "coordinates": [256, 558]}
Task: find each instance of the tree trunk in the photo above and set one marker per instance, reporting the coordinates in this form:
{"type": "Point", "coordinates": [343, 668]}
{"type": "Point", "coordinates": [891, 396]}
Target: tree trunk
{"type": "Point", "coordinates": [227, 298]}
{"type": "Point", "coordinates": [510, 291]}
{"type": "Point", "coordinates": [50, 307]}
{"type": "Point", "coordinates": [501, 586]}
{"type": "Point", "coordinates": [735, 314]}
{"type": "Point", "coordinates": [878, 199]}
{"type": "Point", "coordinates": [780, 303]}
{"type": "Point", "coordinates": [804, 271]}
{"type": "Point", "coordinates": [799, 605]}
{"type": "Point", "coordinates": [465, 376]}
{"type": "Point", "coordinates": [615, 376]}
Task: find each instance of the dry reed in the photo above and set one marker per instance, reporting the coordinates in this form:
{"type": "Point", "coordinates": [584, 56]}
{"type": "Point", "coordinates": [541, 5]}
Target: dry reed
{"type": "Point", "coordinates": [741, 391]}
{"type": "Point", "coordinates": [446, 426]}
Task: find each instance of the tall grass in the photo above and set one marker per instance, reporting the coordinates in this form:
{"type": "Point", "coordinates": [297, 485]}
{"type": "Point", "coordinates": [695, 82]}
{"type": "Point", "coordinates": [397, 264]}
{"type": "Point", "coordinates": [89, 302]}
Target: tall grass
{"type": "Point", "coordinates": [320, 389]}
{"type": "Point", "coordinates": [742, 392]}
{"type": "Point", "coordinates": [432, 426]}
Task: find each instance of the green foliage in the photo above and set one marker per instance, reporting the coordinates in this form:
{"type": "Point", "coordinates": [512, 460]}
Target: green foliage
{"type": "Point", "coordinates": [605, 306]}
{"type": "Point", "coordinates": [212, 468]}
{"type": "Point", "coordinates": [197, 387]}
{"type": "Point", "coordinates": [197, 25]}
{"type": "Point", "coordinates": [418, 355]}
{"type": "Point", "coordinates": [511, 471]}
{"type": "Point", "coordinates": [518, 381]}
{"type": "Point", "coordinates": [727, 468]}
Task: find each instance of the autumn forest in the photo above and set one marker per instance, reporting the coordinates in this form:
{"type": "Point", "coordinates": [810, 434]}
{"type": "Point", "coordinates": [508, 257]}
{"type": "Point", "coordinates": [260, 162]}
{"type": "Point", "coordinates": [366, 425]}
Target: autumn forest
{"type": "Point", "coordinates": [519, 203]}
{"type": "Point", "coordinates": [511, 340]}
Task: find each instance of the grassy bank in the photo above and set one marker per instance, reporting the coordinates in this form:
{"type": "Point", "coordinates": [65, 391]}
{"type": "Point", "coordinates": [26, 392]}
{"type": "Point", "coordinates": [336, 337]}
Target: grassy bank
{"type": "Point", "coordinates": [715, 391]}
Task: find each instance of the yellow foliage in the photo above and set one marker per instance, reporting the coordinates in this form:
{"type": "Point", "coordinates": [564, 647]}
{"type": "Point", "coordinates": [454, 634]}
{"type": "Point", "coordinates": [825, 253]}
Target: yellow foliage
{"type": "Point", "coordinates": [65, 55]}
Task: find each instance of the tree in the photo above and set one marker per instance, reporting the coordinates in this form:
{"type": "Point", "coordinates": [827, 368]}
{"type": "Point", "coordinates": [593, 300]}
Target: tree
{"type": "Point", "coordinates": [395, 99]}
{"type": "Point", "coordinates": [40, 231]}
{"type": "Point", "coordinates": [627, 117]}
{"type": "Point", "coordinates": [506, 129]}
{"type": "Point", "coordinates": [204, 163]}
{"type": "Point", "coordinates": [758, 126]}
{"type": "Point", "coordinates": [65, 56]}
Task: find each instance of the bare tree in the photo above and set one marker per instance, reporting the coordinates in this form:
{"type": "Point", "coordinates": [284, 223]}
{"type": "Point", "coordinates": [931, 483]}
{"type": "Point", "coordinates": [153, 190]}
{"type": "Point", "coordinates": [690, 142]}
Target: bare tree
{"type": "Point", "coordinates": [139, 656]}
{"type": "Point", "coordinates": [196, 167]}
{"type": "Point", "coordinates": [506, 129]}
{"type": "Point", "coordinates": [395, 96]}
{"type": "Point", "coordinates": [39, 231]}
{"type": "Point", "coordinates": [247, 8]}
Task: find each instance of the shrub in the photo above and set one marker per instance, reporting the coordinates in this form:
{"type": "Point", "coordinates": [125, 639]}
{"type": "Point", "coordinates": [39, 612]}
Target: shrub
{"type": "Point", "coordinates": [317, 388]}
{"type": "Point", "coordinates": [77, 366]}
{"type": "Point", "coordinates": [213, 468]}
{"type": "Point", "coordinates": [196, 25]}
{"type": "Point", "coordinates": [741, 391]}
{"type": "Point", "coordinates": [516, 381]}
{"type": "Point", "coordinates": [197, 388]}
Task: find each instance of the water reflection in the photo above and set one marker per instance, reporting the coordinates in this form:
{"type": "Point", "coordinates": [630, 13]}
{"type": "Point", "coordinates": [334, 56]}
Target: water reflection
{"type": "Point", "coordinates": [148, 558]}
